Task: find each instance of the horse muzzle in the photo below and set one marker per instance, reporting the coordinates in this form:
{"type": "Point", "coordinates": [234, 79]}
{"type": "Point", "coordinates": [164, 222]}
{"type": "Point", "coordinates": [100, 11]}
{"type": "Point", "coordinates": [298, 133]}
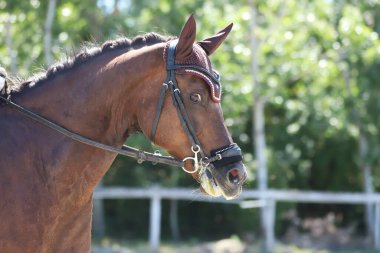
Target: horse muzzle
{"type": "Point", "coordinates": [224, 176]}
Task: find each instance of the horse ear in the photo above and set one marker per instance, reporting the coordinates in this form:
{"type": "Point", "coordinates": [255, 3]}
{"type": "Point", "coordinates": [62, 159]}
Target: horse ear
{"type": "Point", "coordinates": [212, 43]}
{"type": "Point", "coordinates": [186, 39]}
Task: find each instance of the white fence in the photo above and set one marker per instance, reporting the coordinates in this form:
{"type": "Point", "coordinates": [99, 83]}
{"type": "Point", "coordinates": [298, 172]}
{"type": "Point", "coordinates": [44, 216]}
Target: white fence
{"type": "Point", "coordinates": [248, 199]}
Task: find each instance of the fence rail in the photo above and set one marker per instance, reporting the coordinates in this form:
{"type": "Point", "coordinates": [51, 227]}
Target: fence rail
{"type": "Point", "coordinates": [248, 199]}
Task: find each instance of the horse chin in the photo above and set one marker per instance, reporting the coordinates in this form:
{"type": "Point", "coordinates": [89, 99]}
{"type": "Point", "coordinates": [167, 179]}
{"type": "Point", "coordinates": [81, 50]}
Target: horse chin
{"type": "Point", "coordinates": [210, 186]}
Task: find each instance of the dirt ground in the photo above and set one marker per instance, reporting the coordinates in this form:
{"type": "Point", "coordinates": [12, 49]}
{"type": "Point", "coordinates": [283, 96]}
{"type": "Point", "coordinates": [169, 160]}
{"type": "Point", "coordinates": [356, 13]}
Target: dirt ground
{"type": "Point", "coordinates": [229, 245]}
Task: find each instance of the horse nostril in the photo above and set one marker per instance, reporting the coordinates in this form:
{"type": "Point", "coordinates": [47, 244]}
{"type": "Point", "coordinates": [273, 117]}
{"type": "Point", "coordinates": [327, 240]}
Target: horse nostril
{"type": "Point", "coordinates": [233, 176]}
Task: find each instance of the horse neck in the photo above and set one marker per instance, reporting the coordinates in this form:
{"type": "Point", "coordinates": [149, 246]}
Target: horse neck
{"type": "Point", "coordinates": [98, 100]}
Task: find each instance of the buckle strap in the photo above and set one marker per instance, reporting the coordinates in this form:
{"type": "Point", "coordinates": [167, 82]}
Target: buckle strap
{"type": "Point", "coordinates": [229, 154]}
{"type": "Point", "coordinates": [183, 116]}
{"type": "Point", "coordinates": [170, 60]}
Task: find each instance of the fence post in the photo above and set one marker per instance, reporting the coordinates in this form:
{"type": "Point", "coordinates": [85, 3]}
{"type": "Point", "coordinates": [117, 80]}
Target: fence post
{"type": "Point", "coordinates": [376, 229]}
{"type": "Point", "coordinates": [173, 217]}
{"type": "Point", "coordinates": [269, 224]}
{"type": "Point", "coordinates": [155, 223]}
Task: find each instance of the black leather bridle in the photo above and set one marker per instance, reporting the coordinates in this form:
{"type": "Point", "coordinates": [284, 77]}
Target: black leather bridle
{"type": "Point", "coordinates": [220, 157]}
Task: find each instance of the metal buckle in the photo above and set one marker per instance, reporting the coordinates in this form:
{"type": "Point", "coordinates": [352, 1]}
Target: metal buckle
{"type": "Point", "coordinates": [156, 153]}
{"type": "Point", "coordinates": [195, 149]}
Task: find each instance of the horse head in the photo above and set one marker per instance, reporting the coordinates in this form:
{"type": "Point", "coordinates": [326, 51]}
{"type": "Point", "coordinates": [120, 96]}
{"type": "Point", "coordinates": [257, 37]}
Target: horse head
{"type": "Point", "coordinates": [190, 125]}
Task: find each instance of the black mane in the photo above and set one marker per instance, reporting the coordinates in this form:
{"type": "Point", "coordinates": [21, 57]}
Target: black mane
{"type": "Point", "coordinates": [87, 53]}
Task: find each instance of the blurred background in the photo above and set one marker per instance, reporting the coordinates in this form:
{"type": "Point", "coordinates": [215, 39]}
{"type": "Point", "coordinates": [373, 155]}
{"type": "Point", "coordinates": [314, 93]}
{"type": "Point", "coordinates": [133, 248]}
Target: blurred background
{"type": "Point", "coordinates": [300, 96]}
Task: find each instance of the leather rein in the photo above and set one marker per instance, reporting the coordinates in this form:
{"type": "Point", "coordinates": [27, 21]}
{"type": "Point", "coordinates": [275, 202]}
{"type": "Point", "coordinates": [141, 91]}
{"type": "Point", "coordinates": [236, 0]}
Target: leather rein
{"type": "Point", "coordinates": [231, 153]}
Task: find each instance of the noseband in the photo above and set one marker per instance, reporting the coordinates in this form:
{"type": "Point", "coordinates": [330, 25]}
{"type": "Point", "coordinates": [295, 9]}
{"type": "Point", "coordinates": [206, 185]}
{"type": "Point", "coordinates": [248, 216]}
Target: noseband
{"type": "Point", "coordinates": [219, 158]}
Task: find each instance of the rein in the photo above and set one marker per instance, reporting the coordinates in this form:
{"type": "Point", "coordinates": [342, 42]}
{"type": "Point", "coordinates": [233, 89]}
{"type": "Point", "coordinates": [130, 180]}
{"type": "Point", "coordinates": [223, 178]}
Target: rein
{"type": "Point", "coordinates": [140, 155]}
{"type": "Point", "coordinates": [220, 157]}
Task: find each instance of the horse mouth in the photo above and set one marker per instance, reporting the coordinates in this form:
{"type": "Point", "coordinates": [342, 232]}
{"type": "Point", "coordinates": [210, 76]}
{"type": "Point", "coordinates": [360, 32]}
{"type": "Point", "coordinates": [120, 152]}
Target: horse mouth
{"type": "Point", "coordinates": [214, 184]}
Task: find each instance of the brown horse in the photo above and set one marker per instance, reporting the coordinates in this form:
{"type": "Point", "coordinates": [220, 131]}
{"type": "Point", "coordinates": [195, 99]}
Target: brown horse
{"type": "Point", "coordinates": [105, 94]}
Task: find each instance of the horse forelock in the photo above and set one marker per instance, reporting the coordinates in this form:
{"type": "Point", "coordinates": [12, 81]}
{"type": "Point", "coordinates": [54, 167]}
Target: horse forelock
{"type": "Point", "coordinates": [85, 54]}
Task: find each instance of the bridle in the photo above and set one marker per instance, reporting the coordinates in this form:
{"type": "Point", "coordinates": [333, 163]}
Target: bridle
{"type": "Point", "coordinates": [231, 153]}
{"type": "Point", "coordinates": [219, 158]}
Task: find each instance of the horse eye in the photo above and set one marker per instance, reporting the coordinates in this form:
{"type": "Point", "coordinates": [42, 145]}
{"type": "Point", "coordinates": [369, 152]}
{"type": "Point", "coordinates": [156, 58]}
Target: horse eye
{"type": "Point", "coordinates": [195, 97]}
